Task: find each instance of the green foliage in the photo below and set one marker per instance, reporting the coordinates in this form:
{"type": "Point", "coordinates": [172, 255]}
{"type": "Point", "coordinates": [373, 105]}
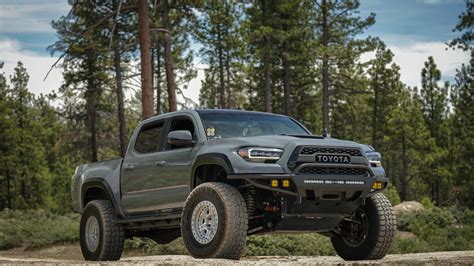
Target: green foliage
{"type": "Point", "coordinates": [150, 247]}
{"type": "Point", "coordinates": [392, 195]}
{"type": "Point", "coordinates": [36, 228]}
{"type": "Point", "coordinates": [427, 203]}
{"type": "Point", "coordinates": [463, 132]}
{"type": "Point", "coordinates": [464, 27]}
{"type": "Point", "coordinates": [436, 229]}
{"type": "Point", "coordinates": [418, 222]}
{"type": "Point", "coordinates": [289, 244]}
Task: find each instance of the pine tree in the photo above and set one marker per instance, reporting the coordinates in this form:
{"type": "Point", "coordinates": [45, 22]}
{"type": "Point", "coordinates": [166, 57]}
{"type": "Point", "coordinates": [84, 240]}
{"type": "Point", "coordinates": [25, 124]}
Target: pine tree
{"type": "Point", "coordinates": [26, 166]}
{"type": "Point", "coordinates": [260, 35]}
{"type": "Point", "coordinates": [336, 25]}
{"type": "Point", "coordinates": [385, 85]}
{"type": "Point", "coordinates": [463, 130]}
{"type": "Point", "coordinates": [464, 26]}
{"type": "Point", "coordinates": [434, 106]}
{"type": "Point", "coordinates": [221, 51]}
{"type": "Point", "coordinates": [408, 147]}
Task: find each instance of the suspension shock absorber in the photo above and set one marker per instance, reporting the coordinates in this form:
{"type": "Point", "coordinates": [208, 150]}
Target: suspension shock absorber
{"type": "Point", "coordinates": [249, 197]}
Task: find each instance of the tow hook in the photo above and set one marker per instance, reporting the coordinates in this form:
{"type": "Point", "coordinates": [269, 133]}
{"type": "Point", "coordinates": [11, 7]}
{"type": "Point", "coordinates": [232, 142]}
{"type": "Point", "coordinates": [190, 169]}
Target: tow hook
{"type": "Point", "coordinates": [271, 208]}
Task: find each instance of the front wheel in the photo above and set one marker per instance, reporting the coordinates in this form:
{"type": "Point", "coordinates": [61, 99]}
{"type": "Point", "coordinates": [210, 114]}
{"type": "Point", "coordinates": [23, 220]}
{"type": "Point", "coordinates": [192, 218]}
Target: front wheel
{"type": "Point", "coordinates": [214, 222]}
{"type": "Point", "coordinates": [101, 239]}
{"type": "Point", "coordinates": [368, 233]}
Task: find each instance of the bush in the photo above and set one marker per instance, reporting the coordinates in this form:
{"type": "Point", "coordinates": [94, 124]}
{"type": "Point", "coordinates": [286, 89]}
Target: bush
{"type": "Point", "coordinates": [286, 244]}
{"type": "Point", "coordinates": [416, 221]}
{"type": "Point", "coordinates": [392, 195]}
{"type": "Point", "coordinates": [403, 245]}
{"type": "Point", "coordinates": [257, 245]}
{"type": "Point", "coordinates": [36, 228]}
{"type": "Point", "coordinates": [436, 230]}
{"type": "Point", "coordinates": [147, 246]}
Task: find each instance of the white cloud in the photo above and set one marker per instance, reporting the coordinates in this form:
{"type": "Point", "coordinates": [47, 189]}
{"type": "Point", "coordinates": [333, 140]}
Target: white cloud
{"type": "Point", "coordinates": [30, 17]}
{"type": "Point", "coordinates": [37, 66]}
{"type": "Point", "coordinates": [194, 86]}
{"type": "Point", "coordinates": [411, 59]}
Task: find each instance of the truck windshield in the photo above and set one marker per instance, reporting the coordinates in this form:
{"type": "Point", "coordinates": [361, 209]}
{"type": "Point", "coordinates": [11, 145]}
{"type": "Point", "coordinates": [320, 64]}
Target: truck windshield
{"type": "Point", "coordinates": [234, 125]}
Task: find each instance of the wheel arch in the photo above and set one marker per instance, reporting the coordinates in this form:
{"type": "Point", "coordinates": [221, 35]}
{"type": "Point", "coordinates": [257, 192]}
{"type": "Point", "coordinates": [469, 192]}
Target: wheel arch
{"type": "Point", "coordinates": [209, 160]}
{"type": "Point", "coordinates": [97, 189]}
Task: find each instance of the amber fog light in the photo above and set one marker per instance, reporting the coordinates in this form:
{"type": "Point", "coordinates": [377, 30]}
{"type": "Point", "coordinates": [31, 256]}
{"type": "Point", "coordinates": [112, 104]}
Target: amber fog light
{"type": "Point", "coordinates": [286, 183]}
{"type": "Point", "coordinates": [274, 183]}
{"type": "Point", "coordinates": [377, 185]}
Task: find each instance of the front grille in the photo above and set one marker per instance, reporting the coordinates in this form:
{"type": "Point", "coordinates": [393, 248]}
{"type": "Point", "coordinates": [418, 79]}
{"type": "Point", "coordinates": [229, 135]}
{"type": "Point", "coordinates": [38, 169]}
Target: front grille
{"type": "Point", "coordinates": [313, 150]}
{"type": "Point", "coordinates": [317, 170]}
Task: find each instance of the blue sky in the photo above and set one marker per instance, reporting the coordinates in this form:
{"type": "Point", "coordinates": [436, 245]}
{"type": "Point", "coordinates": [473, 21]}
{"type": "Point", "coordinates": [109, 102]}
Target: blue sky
{"type": "Point", "coordinates": [405, 21]}
{"type": "Point", "coordinates": [413, 29]}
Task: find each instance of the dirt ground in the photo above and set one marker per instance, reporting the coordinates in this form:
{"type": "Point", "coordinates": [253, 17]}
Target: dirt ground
{"type": "Point", "coordinates": [71, 254]}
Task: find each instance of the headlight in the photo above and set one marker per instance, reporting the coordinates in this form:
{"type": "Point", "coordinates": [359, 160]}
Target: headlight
{"type": "Point", "coordinates": [375, 158]}
{"type": "Point", "coordinates": [257, 154]}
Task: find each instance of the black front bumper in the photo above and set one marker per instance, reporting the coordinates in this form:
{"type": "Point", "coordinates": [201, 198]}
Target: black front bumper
{"type": "Point", "coordinates": [314, 203]}
{"type": "Point", "coordinates": [314, 195]}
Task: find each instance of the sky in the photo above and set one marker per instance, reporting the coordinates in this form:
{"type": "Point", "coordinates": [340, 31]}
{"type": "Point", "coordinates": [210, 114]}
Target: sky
{"type": "Point", "coordinates": [412, 29]}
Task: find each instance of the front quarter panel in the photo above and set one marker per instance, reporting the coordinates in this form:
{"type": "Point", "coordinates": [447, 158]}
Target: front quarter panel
{"type": "Point", "coordinates": [105, 175]}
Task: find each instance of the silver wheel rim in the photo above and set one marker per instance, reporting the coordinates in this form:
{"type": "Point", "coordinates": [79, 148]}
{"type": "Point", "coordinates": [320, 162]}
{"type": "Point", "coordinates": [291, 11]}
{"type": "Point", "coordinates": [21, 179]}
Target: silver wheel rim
{"type": "Point", "coordinates": [92, 233]}
{"type": "Point", "coordinates": [204, 222]}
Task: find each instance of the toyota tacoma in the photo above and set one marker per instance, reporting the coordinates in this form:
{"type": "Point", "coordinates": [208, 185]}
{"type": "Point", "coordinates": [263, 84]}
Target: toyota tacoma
{"type": "Point", "coordinates": [216, 176]}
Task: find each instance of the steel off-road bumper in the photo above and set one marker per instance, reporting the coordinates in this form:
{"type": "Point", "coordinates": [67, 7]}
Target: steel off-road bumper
{"type": "Point", "coordinates": [325, 200]}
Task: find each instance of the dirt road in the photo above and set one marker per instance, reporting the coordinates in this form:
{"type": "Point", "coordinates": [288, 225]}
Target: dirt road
{"type": "Point", "coordinates": [71, 255]}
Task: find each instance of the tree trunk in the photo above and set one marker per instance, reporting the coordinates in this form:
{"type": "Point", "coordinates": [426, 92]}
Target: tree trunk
{"type": "Point", "coordinates": [171, 84]}
{"type": "Point", "coordinates": [92, 114]}
{"type": "Point", "coordinates": [227, 61]}
{"type": "Point", "coordinates": [220, 55]}
{"type": "Point", "coordinates": [375, 142]}
{"type": "Point", "coordinates": [404, 173]}
{"type": "Point", "coordinates": [9, 195]}
{"type": "Point", "coordinates": [119, 92]}
{"type": "Point", "coordinates": [266, 63]}
{"type": "Point", "coordinates": [286, 82]}
{"type": "Point", "coordinates": [145, 59]}
{"type": "Point", "coordinates": [325, 69]}
{"type": "Point", "coordinates": [158, 78]}
{"type": "Point", "coordinates": [230, 98]}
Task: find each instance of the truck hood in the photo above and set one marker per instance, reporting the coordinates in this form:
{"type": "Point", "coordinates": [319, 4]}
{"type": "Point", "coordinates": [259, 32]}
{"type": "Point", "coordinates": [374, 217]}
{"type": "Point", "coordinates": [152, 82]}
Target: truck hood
{"type": "Point", "coordinates": [279, 141]}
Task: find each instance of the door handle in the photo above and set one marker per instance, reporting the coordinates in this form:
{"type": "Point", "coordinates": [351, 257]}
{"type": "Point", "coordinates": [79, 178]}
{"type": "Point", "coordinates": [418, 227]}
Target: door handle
{"type": "Point", "coordinates": [128, 167]}
{"type": "Point", "coordinates": [160, 163]}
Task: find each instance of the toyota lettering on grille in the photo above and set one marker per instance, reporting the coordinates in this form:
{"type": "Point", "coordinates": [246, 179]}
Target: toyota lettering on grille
{"type": "Point", "coordinates": [333, 158]}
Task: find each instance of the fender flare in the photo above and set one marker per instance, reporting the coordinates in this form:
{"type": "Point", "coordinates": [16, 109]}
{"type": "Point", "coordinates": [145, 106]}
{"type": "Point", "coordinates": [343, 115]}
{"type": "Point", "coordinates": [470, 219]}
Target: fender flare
{"type": "Point", "coordinates": [97, 182]}
{"type": "Point", "coordinates": [211, 158]}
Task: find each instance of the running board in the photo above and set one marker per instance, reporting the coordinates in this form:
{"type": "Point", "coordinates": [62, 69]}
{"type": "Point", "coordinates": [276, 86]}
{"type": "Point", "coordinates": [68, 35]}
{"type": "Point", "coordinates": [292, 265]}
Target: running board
{"type": "Point", "coordinates": [147, 218]}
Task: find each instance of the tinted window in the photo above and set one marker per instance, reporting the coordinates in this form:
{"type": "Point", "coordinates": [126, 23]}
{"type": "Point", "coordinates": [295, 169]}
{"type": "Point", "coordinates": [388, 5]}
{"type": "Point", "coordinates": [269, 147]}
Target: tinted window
{"type": "Point", "coordinates": [149, 138]}
{"type": "Point", "coordinates": [181, 124]}
{"type": "Point", "coordinates": [233, 125]}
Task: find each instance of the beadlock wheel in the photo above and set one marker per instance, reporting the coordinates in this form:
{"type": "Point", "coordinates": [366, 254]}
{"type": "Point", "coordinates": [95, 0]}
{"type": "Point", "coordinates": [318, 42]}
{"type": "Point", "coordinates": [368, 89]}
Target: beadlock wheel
{"type": "Point", "coordinates": [204, 222]}
{"type": "Point", "coordinates": [92, 234]}
{"type": "Point", "coordinates": [215, 221]}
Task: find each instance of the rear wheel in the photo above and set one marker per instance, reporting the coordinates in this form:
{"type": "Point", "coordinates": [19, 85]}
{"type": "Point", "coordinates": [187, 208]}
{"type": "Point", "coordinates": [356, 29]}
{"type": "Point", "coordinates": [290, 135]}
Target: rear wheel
{"type": "Point", "coordinates": [368, 233]}
{"type": "Point", "coordinates": [215, 221]}
{"type": "Point", "coordinates": [100, 237]}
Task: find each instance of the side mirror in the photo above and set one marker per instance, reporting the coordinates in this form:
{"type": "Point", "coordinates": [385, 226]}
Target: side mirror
{"type": "Point", "coordinates": [182, 138]}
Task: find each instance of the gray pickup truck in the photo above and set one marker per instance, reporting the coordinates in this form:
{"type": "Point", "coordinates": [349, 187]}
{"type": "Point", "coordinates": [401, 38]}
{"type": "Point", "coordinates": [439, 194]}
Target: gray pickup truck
{"type": "Point", "coordinates": [216, 176]}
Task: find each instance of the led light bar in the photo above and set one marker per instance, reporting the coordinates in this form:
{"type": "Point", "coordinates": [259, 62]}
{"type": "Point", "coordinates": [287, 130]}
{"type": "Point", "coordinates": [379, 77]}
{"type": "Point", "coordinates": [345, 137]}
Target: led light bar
{"type": "Point", "coordinates": [334, 182]}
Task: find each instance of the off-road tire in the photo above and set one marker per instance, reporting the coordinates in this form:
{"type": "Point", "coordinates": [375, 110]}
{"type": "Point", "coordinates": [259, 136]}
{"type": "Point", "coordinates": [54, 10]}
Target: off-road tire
{"type": "Point", "coordinates": [111, 235]}
{"type": "Point", "coordinates": [381, 232]}
{"type": "Point", "coordinates": [229, 240]}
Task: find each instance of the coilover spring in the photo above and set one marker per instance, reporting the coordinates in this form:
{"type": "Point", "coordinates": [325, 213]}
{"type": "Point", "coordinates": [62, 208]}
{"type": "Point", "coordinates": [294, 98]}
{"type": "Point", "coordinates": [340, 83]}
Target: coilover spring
{"type": "Point", "coordinates": [249, 197]}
